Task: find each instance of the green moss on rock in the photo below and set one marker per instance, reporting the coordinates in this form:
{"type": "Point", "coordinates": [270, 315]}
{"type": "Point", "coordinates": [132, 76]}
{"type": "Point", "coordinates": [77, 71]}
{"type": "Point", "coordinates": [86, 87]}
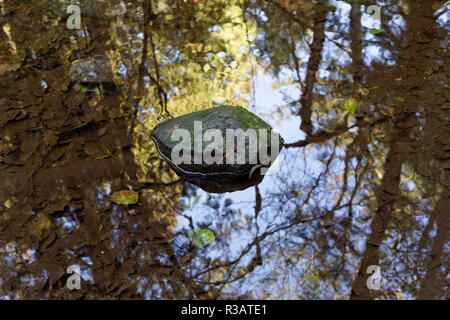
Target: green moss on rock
{"type": "Point", "coordinates": [222, 118]}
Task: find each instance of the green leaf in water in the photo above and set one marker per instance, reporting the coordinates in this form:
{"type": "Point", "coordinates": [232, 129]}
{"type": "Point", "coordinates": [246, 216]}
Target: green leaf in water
{"type": "Point", "coordinates": [350, 105]}
{"type": "Point", "coordinates": [376, 31]}
{"type": "Point", "coordinates": [83, 89]}
{"type": "Point", "coordinates": [201, 237]}
{"type": "Point", "coordinates": [398, 99]}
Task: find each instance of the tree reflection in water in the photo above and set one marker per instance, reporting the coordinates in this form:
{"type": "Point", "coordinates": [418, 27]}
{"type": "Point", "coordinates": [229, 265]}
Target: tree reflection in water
{"type": "Point", "coordinates": [358, 184]}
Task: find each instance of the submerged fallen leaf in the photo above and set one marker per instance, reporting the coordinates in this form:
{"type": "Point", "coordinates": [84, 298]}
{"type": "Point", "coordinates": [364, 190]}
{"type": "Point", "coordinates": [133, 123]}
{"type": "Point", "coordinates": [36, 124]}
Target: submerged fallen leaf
{"type": "Point", "coordinates": [125, 197]}
{"type": "Point", "coordinates": [391, 112]}
{"type": "Point", "coordinates": [78, 60]}
{"type": "Point", "coordinates": [97, 150]}
{"type": "Point", "coordinates": [40, 227]}
{"type": "Point", "coordinates": [436, 6]}
{"type": "Point", "coordinates": [364, 91]}
{"type": "Point", "coordinates": [68, 53]}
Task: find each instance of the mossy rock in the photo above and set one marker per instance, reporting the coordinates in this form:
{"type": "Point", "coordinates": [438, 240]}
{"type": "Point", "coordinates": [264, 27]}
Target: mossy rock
{"type": "Point", "coordinates": [230, 171]}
